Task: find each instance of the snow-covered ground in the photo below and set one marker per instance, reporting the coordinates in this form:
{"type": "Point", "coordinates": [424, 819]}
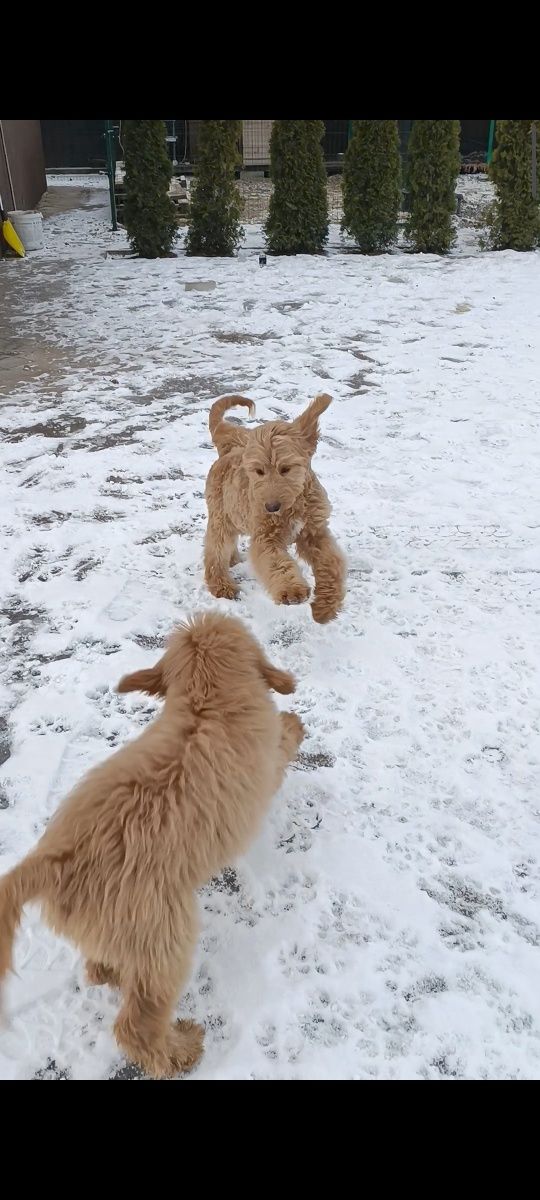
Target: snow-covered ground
{"type": "Point", "coordinates": [386, 924]}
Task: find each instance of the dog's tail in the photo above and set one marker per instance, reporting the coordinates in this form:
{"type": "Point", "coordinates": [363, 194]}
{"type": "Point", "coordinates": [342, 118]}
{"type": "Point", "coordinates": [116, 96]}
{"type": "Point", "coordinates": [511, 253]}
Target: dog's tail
{"type": "Point", "coordinates": [24, 883]}
{"type": "Point", "coordinates": [224, 435]}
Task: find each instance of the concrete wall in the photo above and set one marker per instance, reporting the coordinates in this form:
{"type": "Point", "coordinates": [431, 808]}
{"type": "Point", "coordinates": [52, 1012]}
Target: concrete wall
{"type": "Point", "coordinates": [22, 167]}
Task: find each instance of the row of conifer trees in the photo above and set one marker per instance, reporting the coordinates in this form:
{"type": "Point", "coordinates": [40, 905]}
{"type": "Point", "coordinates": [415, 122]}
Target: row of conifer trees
{"type": "Point", "coordinates": [297, 221]}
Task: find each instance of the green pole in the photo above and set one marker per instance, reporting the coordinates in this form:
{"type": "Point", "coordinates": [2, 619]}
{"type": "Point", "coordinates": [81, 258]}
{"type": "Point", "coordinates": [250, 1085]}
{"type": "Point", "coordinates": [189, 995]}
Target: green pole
{"type": "Point", "coordinates": [491, 136]}
{"type": "Point", "coordinates": [349, 131]}
{"type": "Point", "coordinates": [109, 145]}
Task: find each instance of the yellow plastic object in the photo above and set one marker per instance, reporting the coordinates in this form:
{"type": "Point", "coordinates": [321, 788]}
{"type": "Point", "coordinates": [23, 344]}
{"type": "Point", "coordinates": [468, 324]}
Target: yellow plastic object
{"type": "Point", "coordinates": [12, 238]}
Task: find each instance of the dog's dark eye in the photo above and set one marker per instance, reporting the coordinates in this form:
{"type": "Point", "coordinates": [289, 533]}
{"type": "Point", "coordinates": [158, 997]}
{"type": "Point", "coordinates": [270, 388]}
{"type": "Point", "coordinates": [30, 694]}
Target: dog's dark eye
{"type": "Point", "coordinates": [284, 470]}
{"type": "Point", "coordinates": [259, 470]}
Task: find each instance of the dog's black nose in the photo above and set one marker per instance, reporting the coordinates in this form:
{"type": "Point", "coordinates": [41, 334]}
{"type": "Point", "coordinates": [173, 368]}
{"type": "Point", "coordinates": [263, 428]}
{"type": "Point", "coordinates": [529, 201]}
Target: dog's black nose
{"type": "Point", "coordinates": [273, 507]}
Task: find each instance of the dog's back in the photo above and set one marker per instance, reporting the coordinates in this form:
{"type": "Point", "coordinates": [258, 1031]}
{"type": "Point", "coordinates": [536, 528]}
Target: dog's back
{"type": "Point", "coordinates": [224, 773]}
{"type": "Point", "coordinates": [166, 811]}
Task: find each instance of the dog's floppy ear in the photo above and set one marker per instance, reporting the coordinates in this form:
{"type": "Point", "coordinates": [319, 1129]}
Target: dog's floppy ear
{"type": "Point", "coordinates": [307, 424]}
{"type": "Point", "coordinates": [150, 681]}
{"type": "Point", "coordinates": [279, 681]}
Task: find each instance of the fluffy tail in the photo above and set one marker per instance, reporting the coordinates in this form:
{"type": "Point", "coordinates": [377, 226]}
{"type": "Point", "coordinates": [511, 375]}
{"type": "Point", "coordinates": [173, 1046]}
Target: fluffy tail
{"type": "Point", "coordinates": [221, 406]}
{"type": "Point", "coordinates": [224, 435]}
{"type": "Point", "coordinates": [23, 883]}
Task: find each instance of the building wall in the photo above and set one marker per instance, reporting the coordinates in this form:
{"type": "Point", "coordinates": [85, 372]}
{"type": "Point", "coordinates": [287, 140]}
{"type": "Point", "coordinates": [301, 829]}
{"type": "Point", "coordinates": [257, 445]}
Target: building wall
{"type": "Point", "coordinates": [22, 166]}
{"type": "Point", "coordinates": [5, 189]}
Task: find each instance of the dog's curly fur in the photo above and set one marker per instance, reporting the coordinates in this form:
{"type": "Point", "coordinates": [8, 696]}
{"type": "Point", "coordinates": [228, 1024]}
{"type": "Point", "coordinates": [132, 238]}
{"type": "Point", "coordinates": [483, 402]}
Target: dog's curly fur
{"type": "Point", "coordinates": [117, 868]}
{"type": "Point", "coordinates": [263, 485]}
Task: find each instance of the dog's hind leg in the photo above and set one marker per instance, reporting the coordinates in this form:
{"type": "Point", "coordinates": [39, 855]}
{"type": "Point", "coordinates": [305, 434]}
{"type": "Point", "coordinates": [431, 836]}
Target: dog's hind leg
{"type": "Point", "coordinates": [292, 736]}
{"type": "Point", "coordinates": [144, 1032]}
{"type": "Point", "coordinates": [144, 1029]}
{"type": "Point", "coordinates": [98, 973]}
{"type": "Point", "coordinates": [141, 1030]}
{"type": "Point", "coordinates": [219, 548]}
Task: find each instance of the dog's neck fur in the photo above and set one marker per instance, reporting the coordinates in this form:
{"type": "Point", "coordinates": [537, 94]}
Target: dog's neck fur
{"type": "Point", "coordinates": [290, 521]}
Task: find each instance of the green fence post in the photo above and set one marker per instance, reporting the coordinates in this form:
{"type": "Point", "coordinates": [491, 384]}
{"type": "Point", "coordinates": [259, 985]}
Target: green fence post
{"type": "Point", "coordinates": [491, 136]}
{"type": "Point", "coordinates": [109, 145]}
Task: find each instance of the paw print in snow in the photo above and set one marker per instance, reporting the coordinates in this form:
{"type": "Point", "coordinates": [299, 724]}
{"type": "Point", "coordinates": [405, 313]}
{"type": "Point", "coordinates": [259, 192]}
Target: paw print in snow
{"type": "Point", "coordinates": [300, 960]}
{"type": "Point", "coordinates": [266, 1040]}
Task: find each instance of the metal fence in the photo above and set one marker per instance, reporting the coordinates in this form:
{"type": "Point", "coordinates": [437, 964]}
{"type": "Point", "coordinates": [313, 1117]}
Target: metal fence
{"type": "Point", "coordinates": [81, 144]}
{"type": "Point", "coordinates": [254, 144]}
{"type": "Point", "coordinates": [253, 173]}
{"type": "Point", "coordinates": [256, 192]}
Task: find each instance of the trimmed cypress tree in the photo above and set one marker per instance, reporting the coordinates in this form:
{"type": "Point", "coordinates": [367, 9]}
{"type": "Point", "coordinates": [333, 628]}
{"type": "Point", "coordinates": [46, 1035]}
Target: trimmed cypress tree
{"type": "Point", "coordinates": [371, 185]}
{"type": "Point", "coordinates": [298, 213]}
{"type": "Point", "coordinates": [149, 214]}
{"type": "Point", "coordinates": [514, 217]}
{"type": "Point", "coordinates": [433, 167]}
{"type": "Point", "coordinates": [216, 204]}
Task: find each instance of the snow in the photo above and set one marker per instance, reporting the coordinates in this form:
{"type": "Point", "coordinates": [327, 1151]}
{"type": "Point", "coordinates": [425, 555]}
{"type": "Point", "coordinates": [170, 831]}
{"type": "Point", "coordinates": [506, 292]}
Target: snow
{"type": "Point", "coordinates": [386, 923]}
{"type": "Point", "coordinates": [95, 180]}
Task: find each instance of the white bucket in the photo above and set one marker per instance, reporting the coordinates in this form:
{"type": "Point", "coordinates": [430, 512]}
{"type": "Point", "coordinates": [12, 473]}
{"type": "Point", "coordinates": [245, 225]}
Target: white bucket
{"type": "Point", "coordinates": [29, 226]}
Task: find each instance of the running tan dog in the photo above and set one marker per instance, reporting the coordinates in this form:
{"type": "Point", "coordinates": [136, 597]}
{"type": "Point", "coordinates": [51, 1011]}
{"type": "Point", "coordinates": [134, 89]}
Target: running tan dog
{"type": "Point", "coordinates": [118, 866]}
{"type": "Point", "coordinates": [263, 485]}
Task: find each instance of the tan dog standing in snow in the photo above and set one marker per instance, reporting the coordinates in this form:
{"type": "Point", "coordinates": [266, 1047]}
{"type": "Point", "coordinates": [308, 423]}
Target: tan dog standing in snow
{"type": "Point", "coordinates": [263, 485]}
{"type": "Point", "coordinates": [118, 866]}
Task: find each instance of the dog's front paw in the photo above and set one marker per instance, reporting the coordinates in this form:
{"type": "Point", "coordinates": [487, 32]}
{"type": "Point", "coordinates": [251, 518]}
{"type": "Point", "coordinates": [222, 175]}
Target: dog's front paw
{"type": "Point", "coordinates": [224, 590]}
{"type": "Point", "coordinates": [323, 611]}
{"type": "Point", "coordinates": [293, 593]}
{"type": "Point", "coordinates": [98, 974]}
